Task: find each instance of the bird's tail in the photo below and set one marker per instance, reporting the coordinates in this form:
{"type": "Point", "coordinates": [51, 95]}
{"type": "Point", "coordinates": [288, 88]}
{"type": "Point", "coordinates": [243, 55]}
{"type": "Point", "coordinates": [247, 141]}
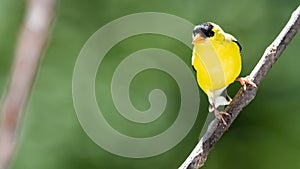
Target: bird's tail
{"type": "Point", "coordinates": [218, 98]}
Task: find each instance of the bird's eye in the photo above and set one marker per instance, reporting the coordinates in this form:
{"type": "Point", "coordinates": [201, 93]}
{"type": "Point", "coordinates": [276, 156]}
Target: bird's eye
{"type": "Point", "coordinates": [205, 29]}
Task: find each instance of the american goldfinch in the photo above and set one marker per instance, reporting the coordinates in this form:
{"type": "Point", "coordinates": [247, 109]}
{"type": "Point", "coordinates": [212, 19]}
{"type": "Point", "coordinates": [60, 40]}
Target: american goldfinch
{"type": "Point", "coordinates": [217, 62]}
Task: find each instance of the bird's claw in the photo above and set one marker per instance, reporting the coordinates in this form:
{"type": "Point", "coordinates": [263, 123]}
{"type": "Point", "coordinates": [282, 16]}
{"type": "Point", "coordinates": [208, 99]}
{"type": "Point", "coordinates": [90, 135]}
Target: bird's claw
{"type": "Point", "coordinates": [246, 80]}
{"type": "Point", "coordinates": [219, 116]}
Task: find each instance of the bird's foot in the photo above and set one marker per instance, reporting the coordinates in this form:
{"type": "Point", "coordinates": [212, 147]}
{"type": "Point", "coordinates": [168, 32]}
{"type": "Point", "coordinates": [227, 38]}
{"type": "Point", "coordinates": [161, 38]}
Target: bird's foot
{"type": "Point", "coordinates": [246, 80]}
{"type": "Point", "coordinates": [219, 116]}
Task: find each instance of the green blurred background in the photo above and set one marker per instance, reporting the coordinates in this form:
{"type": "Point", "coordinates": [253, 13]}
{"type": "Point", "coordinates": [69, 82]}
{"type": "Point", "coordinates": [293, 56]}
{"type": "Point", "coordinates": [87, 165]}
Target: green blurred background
{"type": "Point", "coordinates": [266, 134]}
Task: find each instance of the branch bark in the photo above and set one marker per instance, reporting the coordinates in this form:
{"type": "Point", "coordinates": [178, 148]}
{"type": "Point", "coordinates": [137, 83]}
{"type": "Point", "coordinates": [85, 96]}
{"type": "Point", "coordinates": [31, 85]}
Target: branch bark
{"type": "Point", "coordinates": [30, 45]}
{"type": "Point", "coordinates": [216, 129]}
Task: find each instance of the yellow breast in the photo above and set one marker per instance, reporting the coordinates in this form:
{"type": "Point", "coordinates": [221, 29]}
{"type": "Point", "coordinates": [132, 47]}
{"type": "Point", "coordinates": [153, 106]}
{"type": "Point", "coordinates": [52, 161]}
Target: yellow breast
{"type": "Point", "coordinates": [217, 63]}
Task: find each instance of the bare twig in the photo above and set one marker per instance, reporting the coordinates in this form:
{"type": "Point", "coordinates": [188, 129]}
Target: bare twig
{"type": "Point", "coordinates": [216, 129]}
{"type": "Point", "coordinates": [31, 42]}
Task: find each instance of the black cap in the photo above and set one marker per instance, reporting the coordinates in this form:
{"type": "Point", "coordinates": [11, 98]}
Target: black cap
{"type": "Point", "coordinates": [205, 29]}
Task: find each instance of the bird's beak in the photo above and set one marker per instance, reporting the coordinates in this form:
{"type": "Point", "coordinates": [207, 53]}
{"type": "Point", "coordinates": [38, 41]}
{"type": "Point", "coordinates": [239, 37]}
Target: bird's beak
{"type": "Point", "coordinates": [198, 38]}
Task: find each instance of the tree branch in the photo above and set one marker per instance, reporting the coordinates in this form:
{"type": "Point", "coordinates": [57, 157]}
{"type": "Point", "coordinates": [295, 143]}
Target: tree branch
{"type": "Point", "coordinates": [216, 129]}
{"type": "Point", "coordinates": [30, 45]}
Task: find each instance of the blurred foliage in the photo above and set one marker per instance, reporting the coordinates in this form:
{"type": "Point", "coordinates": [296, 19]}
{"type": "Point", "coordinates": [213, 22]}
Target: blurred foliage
{"type": "Point", "coordinates": [265, 135]}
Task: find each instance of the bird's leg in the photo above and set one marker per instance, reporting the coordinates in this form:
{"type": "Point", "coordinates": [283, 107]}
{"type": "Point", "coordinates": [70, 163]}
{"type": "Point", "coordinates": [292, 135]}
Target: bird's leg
{"type": "Point", "coordinates": [246, 80]}
{"type": "Point", "coordinates": [219, 115]}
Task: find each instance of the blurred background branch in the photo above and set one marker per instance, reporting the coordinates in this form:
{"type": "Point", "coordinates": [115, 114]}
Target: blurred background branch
{"type": "Point", "coordinates": [30, 45]}
{"type": "Point", "coordinates": [216, 129]}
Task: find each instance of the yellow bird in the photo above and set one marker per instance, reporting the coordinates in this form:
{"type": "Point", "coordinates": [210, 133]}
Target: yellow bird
{"type": "Point", "coordinates": [217, 62]}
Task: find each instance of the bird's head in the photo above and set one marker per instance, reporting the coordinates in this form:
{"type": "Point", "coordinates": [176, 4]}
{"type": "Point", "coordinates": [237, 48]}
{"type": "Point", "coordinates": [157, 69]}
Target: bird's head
{"type": "Point", "coordinates": [205, 31]}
